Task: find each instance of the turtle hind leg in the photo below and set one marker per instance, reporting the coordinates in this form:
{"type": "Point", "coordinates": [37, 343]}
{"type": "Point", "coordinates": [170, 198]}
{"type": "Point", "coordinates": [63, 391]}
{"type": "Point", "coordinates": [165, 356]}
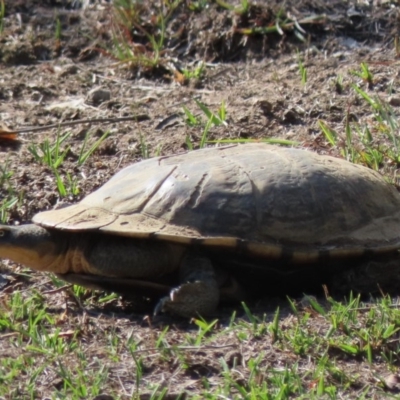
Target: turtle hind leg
{"type": "Point", "coordinates": [198, 293]}
{"type": "Point", "coordinates": [370, 277]}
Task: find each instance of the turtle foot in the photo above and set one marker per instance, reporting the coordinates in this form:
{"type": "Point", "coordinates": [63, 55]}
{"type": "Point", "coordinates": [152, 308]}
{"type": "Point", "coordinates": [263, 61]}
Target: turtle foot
{"type": "Point", "coordinates": [190, 300]}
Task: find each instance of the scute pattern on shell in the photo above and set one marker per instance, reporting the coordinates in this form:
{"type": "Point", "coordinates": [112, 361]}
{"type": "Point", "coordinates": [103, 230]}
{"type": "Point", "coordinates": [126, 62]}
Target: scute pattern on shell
{"type": "Point", "coordinates": [272, 197]}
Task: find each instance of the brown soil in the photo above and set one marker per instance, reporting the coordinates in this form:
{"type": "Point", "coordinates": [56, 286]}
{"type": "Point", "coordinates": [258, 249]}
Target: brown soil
{"type": "Point", "coordinates": [45, 80]}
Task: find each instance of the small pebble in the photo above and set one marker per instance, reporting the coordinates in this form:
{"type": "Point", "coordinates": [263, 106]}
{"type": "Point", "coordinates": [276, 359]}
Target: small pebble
{"type": "Point", "coordinates": [103, 397]}
{"type": "Point", "coordinates": [98, 95]}
{"type": "Point", "coordinates": [70, 69]}
{"type": "Point", "coordinates": [394, 101]}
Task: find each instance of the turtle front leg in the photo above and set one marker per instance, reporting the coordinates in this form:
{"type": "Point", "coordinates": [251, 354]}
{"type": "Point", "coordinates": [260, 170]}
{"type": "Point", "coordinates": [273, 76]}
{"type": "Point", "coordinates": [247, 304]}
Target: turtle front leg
{"type": "Point", "coordinates": [198, 294]}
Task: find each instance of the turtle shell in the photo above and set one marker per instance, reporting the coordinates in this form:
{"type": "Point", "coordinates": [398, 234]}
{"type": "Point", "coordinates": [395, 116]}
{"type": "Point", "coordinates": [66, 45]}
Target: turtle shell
{"type": "Point", "coordinates": [265, 200]}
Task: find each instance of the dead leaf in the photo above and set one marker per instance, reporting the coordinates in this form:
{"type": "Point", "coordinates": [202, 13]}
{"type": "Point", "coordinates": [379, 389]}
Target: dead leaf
{"type": "Point", "coordinates": [68, 334]}
{"type": "Point", "coordinates": [179, 77]}
{"type": "Point", "coordinates": [7, 134]}
{"type": "Point", "coordinates": [392, 382]}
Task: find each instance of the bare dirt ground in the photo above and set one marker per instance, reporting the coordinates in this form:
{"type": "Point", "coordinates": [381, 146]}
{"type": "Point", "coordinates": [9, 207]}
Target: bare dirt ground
{"type": "Point", "coordinates": [46, 79]}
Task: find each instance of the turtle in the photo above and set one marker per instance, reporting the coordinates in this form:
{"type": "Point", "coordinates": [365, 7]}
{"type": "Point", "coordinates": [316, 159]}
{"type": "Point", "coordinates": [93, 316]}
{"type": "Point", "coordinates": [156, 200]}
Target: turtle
{"type": "Point", "coordinates": [194, 228]}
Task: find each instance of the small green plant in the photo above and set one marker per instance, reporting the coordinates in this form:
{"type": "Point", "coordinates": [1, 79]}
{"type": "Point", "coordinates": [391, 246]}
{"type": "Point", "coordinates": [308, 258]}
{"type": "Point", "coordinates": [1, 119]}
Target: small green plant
{"type": "Point", "coordinates": [204, 136]}
{"type": "Point", "coordinates": [50, 154]}
{"type": "Point", "coordinates": [274, 327]}
{"type": "Point", "coordinates": [138, 40]}
{"type": "Point", "coordinates": [204, 328]}
{"type": "Point", "coordinates": [53, 155]}
{"type": "Point", "coordinates": [58, 30]}
{"type": "Point", "coordinates": [196, 73]}
{"type": "Point", "coordinates": [2, 15]}
{"type": "Point", "coordinates": [85, 154]}
{"type": "Point", "coordinates": [198, 5]}
{"type": "Point", "coordinates": [372, 143]}
{"type": "Point", "coordinates": [68, 188]}
{"type": "Point", "coordinates": [284, 24]}
{"type": "Point", "coordinates": [338, 83]}
{"type": "Point", "coordinates": [191, 119]}
{"type": "Point", "coordinates": [302, 69]}
{"type": "Point", "coordinates": [215, 119]}
{"type": "Point", "coordinates": [212, 119]}
{"type": "Point", "coordinates": [5, 206]}
{"type": "Point", "coordinates": [5, 175]}
{"type": "Point", "coordinates": [9, 200]}
{"type": "Point", "coordinates": [240, 10]}
{"type": "Point", "coordinates": [364, 73]}
{"type": "Point", "coordinates": [144, 147]}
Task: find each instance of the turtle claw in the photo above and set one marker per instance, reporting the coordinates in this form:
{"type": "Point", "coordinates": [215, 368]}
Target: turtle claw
{"type": "Point", "coordinates": [160, 306]}
{"type": "Point", "coordinates": [189, 300]}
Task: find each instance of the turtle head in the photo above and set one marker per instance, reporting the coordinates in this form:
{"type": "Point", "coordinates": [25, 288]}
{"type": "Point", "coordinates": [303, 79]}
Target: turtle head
{"type": "Point", "coordinates": [30, 245]}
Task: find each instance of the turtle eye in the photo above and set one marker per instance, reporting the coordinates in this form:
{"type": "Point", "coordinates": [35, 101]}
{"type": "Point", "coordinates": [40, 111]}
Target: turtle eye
{"type": "Point", "coordinates": [2, 233]}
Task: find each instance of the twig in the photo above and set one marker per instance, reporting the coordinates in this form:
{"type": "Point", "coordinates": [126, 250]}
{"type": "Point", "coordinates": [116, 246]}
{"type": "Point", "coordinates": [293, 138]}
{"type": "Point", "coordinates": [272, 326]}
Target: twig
{"type": "Point", "coordinates": [60, 289]}
{"type": "Point", "coordinates": [187, 348]}
{"type": "Point", "coordinates": [140, 117]}
{"type": "Point", "coordinates": [7, 335]}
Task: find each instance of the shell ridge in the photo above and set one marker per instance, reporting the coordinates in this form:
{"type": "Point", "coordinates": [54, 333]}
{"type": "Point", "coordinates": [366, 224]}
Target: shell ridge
{"type": "Point", "coordinates": [256, 194]}
{"type": "Point", "coordinates": [196, 194]}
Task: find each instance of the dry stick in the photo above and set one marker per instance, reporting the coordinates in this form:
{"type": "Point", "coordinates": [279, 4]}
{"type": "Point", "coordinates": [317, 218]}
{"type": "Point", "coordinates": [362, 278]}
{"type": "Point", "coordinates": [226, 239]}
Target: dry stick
{"type": "Point", "coordinates": [187, 348]}
{"type": "Point", "coordinates": [140, 117]}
